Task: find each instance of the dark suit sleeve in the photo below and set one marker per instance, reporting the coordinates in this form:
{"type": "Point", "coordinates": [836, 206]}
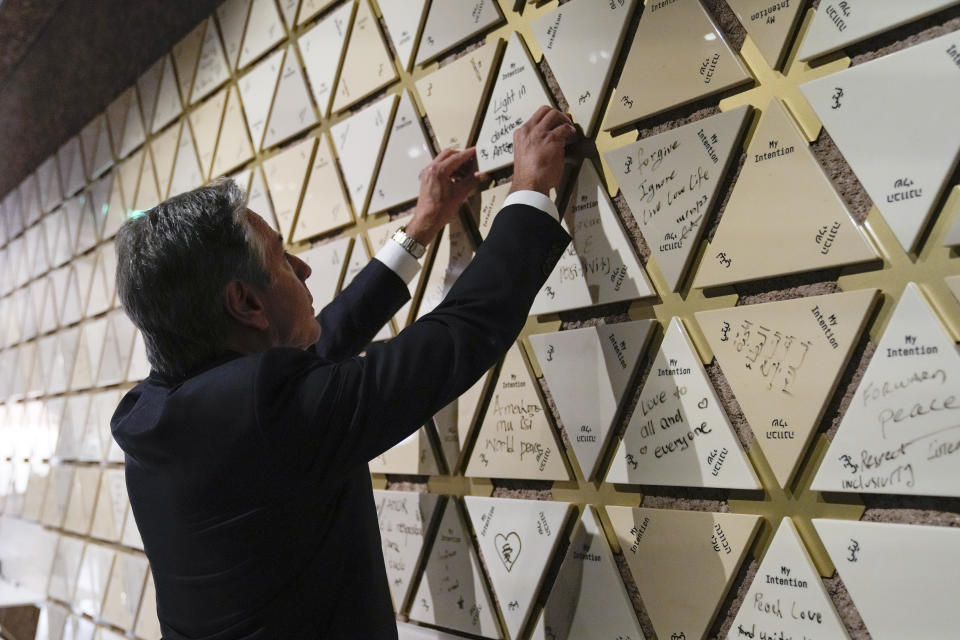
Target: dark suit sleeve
{"type": "Point", "coordinates": [354, 317]}
{"type": "Point", "coordinates": [328, 417]}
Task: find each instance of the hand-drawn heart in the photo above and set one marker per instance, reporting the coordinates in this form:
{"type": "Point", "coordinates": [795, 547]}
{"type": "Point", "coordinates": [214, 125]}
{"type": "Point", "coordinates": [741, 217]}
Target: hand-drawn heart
{"type": "Point", "coordinates": [508, 548]}
{"type": "Point", "coordinates": [702, 404]}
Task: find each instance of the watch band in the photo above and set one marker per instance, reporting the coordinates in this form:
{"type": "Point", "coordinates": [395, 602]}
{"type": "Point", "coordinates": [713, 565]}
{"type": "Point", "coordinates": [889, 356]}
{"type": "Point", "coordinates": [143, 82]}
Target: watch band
{"type": "Point", "coordinates": [409, 245]}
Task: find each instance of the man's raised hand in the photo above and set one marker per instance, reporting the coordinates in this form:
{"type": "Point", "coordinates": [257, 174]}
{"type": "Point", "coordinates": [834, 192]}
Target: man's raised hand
{"type": "Point", "coordinates": [444, 184]}
{"type": "Point", "coordinates": [538, 150]}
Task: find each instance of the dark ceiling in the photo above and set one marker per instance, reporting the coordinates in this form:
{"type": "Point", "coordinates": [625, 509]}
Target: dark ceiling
{"type": "Point", "coordinates": [63, 61]}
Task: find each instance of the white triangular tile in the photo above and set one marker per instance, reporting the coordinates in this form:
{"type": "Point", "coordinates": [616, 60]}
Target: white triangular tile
{"type": "Point", "coordinates": [187, 174]}
{"type": "Point", "coordinates": [186, 56]}
{"type": "Point", "coordinates": [782, 360]}
{"type": "Point", "coordinates": [133, 131]}
{"type": "Point", "coordinates": [326, 264]}
{"type": "Point", "coordinates": [453, 423]}
{"type": "Point", "coordinates": [264, 29]}
{"type": "Point", "coordinates": [62, 368]}
{"type": "Point", "coordinates": [286, 174]}
{"type": "Point", "coordinates": [517, 94]}
{"type": "Point", "coordinates": [453, 255]}
{"type": "Point", "coordinates": [581, 41]}
{"type": "Point", "coordinates": [148, 191]}
{"type": "Point", "coordinates": [679, 434]}
{"type": "Point", "coordinates": [837, 25]}
{"type": "Point", "coordinates": [670, 182]}
{"type": "Point", "coordinates": [139, 364]}
{"type": "Point", "coordinates": [51, 192]}
{"type": "Point", "coordinates": [116, 119]}
{"type": "Point", "coordinates": [770, 26]}
{"type": "Point", "coordinates": [517, 539]}
{"type": "Point", "coordinates": [74, 178]}
{"type": "Point", "coordinates": [212, 70]}
{"type": "Point", "coordinates": [358, 141]}
{"type": "Point", "coordinates": [406, 154]}
{"type": "Point", "coordinates": [122, 597]}
{"type": "Point", "coordinates": [907, 171]}
{"type": "Point", "coordinates": [322, 49]}
{"type": "Point", "coordinates": [325, 204]}
{"type": "Point", "coordinates": [88, 143]}
{"type": "Point", "coordinates": [233, 146]}
{"type": "Point", "coordinates": [37, 476]}
{"type": "Point", "coordinates": [112, 504]}
{"type": "Point", "coordinates": [47, 307]}
{"type": "Point", "coordinates": [608, 357]}
{"type": "Point", "coordinates": [682, 597]}
{"type": "Point", "coordinates": [148, 88]}
{"type": "Point", "coordinates": [367, 63]}
{"type": "Point", "coordinates": [168, 100]}
{"type": "Point", "coordinates": [163, 148]}
{"type": "Point", "coordinates": [588, 600]}
{"type": "Point", "coordinates": [311, 8]}
{"type": "Point", "coordinates": [600, 265]}
{"type": "Point", "coordinates": [403, 19]}
{"type": "Point", "coordinates": [72, 426]}
{"type": "Point", "coordinates": [131, 534]}
{"type": "Point", "coordinates": [58, 495]}
{"type": "Point", "coordinates": [411, 456]}
{"type": "Point", "coordinates": [92, 579]}
{"type": "Point", "coordinates": [92, 336]}
{"type": "Point", "coordinates": [103, 286]}
{"type": "Point", "coordinates": [256, 89]}
{"type": "Point", "coordinates": [103, 155]}
{"type": "Point", "coordinates": [784, 215]}
{"type": "Point", "coordinates": [205, 123]}
{"type": "Point", "coordinates": [403, 517]}
{"type": "Point", "coordinates": [66, 566]}
{"type": "Point", "coordinates": [97, 437]}
{"type": "Point", "coordinates": [451, 22]}
{"type": "Point", "coordinates": [515, 438]}
{"type": "Point", "coordinates": [897, 435]}
{"type": "Point", "coordinates": [30, 188]}
{"type": "Point", "coordinates": [288, 8]}
{"type": "Point", "coordinates": [148, 626]}
{"type": "Point", "coordinates": [787, 597]}
{"type": "Point", "coordinates": [83, 496]}
{"type": "Point", "coordinates": [875, 560]}
{"type": "Point", "coordinates": [95, 200]}
{"type": "Point", "coordinates": [118, 345]}
{"type": "Point", "coordinates": [259, 199]}
{"type": "Point", "coordinates": [452, 95]}
{"type": "Point", "coordinates": [678, 49]}
{"type": "Point", "coordinates": [232, 16]}
{"type": "Point", "coordinates": [292, 110]}
{"type": "Point", "coordinates": [452, 592]}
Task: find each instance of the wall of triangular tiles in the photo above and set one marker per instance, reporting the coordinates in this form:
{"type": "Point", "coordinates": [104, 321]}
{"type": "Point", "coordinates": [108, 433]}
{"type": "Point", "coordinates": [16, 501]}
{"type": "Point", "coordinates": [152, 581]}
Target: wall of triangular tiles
{"type": "Point", "coordinates": [750, 344]}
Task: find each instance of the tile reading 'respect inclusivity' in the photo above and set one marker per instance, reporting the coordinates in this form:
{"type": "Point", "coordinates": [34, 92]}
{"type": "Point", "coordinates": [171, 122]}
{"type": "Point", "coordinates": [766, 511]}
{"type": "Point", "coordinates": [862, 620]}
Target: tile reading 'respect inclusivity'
{"type": "Point", "coordinates": [588, 600]}
{"type": "Point", "coordinates": [787, 598]}
{"type": "Point", "coordinates": [581, 41]}
{"type": "Point", "coordinates": [679, 50]}
{"type": "Point", "coordinates": [517, 93]}
{"type": "Point", "coordinates": [838, 24]}
{"type": "Point", "coordinates": [783, 215]}
{"type": "Point", "coordinates": [900, 433]}
{"type": "Point", "coordinates": [516, 439]}
{"type": "Point", "coordinates": [905, 168]}
{"type": "Point", "coordinates": [452, 591]}
{"type": "Point", "coordinates": [876, 560]}
{"type": "Point", "coordinates": [517, 539]}
{"type": "Point", "coordinates": [683, 562]}
{"type": "Point", "coordinates": [670, 181]}
{"type": "Point", "coordinates": [600, 264]}
{"type": "Point", "coordinates": [679, 434]}
{"type": "Point", "coordinates": [771, 25]}
{"type": "Point", "coordinates": [608, 357]}
{"type": "Point", "coordinates": [782, 360]}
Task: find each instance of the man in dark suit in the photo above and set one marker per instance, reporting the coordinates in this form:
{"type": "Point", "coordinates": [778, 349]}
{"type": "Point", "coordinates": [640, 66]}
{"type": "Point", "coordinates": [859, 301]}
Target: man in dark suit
{"type": "Point", "coordinates": [247, 446]}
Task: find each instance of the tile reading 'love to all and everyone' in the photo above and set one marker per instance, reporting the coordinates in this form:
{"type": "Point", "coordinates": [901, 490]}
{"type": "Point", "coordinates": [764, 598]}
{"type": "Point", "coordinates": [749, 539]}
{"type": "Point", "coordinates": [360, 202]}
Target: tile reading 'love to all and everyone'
{"type": "Point", "coordinates": [516, 439]}
{"type": "Point", "coordinates": [876, 559]}
{"type": "Point", "coordinates": [600, 265]}
{"type": "Point", "coordinates": [403, 517]}
{"type": "Point", "coordinates": [683, 563]}
{"type": "Point", "coordinates": [588, 600]}
{"type": "Point", "coordinates": [581, 41]}
{"type": "Point", "coordinates": [670, 181]}
{"type": "Point", "coordinates": [838, 24]}
{"type": "Point", "coordinates": [453, 592]}
{"type": "Point", "coordinates": [517, 93]}
{"type": "Point", "coordinates": [901, 432]}
{"type": "Point", "coordinates": [787, 599]}
{"type": "Point", "coordinates": [679, 434]}
{"type": "Point", "coordinates": [607, 356]}
{"type": "Point", "coordinates": [782, 360]}
{"type": "Point", "coordinates": [783, 216]}
{"type": "Point", "coordinates": [517, 539]}
{"type": "Point", "coordinates": [680, 51]}
{"type": "Point", "coordinates": [452, 95]}
{"type": "Point", "coordinates": [771, 25]}
{"type": "Point", "coordinates": [906, 168]}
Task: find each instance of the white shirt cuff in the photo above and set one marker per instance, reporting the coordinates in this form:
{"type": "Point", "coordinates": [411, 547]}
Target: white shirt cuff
{"type": "Point", "coordinates": [399, 260]}
{"type": "Point", "coordinates": [534, 199]}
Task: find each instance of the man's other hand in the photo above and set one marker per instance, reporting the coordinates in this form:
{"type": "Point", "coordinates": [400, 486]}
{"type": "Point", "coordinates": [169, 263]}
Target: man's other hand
{"type": "Point", "coordinates": [538, 150]}
{"type": "Point", "coordinates": [444, 184]}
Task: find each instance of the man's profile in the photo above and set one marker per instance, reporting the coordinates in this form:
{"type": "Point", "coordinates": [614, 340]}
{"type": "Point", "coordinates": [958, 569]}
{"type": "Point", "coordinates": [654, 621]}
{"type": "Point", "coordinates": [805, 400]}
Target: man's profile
{"type": "Point", "coordinates": [247, 446]}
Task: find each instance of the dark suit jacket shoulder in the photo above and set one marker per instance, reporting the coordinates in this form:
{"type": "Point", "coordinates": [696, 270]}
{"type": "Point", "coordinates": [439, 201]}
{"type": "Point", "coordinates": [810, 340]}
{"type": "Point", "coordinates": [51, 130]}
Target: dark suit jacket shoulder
{"type": "Point", "coordinates": [248, 479]}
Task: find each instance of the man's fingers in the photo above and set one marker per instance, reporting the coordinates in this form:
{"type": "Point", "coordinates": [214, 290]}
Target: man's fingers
{"type": "Point", "coordinates": [449, 165]}
{"type": "Point", "coordinates": [538, 115]}
{"type": "Point", "coordinates": [553, 120]}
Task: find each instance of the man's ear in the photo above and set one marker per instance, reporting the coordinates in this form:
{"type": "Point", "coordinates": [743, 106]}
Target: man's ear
{"type": "Point", "coordinates": [245, 305]}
